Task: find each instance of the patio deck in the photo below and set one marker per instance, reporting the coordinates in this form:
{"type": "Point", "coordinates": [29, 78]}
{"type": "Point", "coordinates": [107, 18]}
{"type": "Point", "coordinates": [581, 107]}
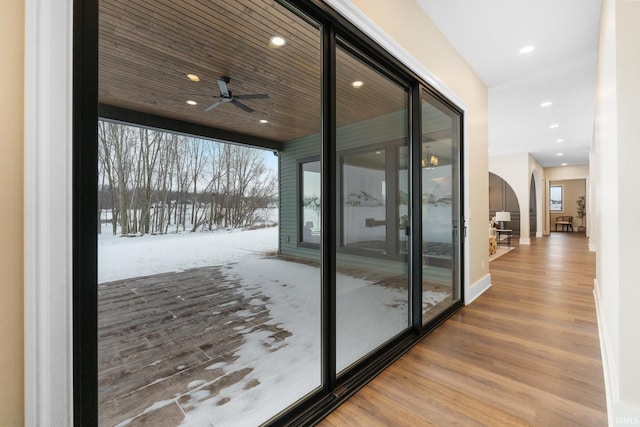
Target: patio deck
{"type": "Point", "coordinates": [159, 333]}
{"type": "Point", "coordinates": [163, 341]}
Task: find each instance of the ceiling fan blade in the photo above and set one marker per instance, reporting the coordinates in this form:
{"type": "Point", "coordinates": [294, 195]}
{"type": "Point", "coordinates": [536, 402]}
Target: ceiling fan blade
{"type": "Point", "coordinates": [253, 96]}
{"type": "Point", "coordinates": [212, 106]}
{"type": "Point", "coordinates": [241, 105]}
{"type": "Point", "coordinates": [224, 90]}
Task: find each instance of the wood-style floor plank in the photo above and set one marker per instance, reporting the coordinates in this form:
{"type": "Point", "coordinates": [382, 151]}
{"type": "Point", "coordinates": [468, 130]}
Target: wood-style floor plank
{"type": "Point", "coordinates": [524, 353]}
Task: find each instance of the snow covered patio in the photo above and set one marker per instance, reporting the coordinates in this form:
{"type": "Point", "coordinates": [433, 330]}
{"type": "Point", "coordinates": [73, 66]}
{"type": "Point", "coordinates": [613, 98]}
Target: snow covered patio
{"type": "Point", "coordinates": [161, 337]}
{"type": "Point", "coordinates": [197, 343]}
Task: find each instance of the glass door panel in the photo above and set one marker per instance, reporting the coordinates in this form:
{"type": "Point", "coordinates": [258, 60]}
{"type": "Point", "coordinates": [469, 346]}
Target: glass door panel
{"type": "Point", "coordinates": [403, 200]}
{"type": "Point", "coordinates": [440, 207]}
{"type": "Point", "coordinates": [371, 265]}
{"type": "Point", "coordinates": [209, 306]}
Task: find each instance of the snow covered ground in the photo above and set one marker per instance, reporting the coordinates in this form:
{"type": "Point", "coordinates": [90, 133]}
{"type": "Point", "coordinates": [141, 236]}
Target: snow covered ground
{"type": "Point", "coordinates": [367, 316]}
{"type": "Point", "coordinates": [125, 257]}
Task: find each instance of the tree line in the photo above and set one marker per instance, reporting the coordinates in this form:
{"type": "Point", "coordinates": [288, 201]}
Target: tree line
{"type": "Point", "coordinates": [156, 182]}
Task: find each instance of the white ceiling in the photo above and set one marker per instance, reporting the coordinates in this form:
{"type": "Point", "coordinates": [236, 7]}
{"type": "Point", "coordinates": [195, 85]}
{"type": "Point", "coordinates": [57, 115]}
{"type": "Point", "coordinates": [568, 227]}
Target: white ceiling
{"type": "Point", "coordinates": [561, 69]}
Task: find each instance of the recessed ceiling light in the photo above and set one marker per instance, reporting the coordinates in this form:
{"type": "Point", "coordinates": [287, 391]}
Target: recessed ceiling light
{"type": "Point", "coordinates": [527, 49]}
{"type": "Point", "coordinates": [560, 140]}
{"type": "Point", "coordinates": [277, 41]}
{"type": "Point", "coordinates": [357, 84]}
{"type": "Point", "coordinates": [193, 77]}
{"type": "Point", "coordinates": [546, 104]}
{"type": "Point", "coordinates": [559, 154]}
{"type": "Point", "coordinates": [190, 102]}
{"type": "Point", "coordinates": [264, 121]}
{"type": "Point", "coordinates": [564, 164]}
{"type": "Point", "coordinates": [553, 126]}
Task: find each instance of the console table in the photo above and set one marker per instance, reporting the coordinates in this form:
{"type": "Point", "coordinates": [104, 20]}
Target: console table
{"type": "Point", "coordinates": [507, 234]}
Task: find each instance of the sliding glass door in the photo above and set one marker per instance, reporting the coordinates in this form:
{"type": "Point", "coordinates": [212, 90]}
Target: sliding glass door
{"type": "Point", "coordinates": [440, 206]}
{"type": "Point", "coordinates": [372, 281]}
{"type": "Point", "coordinates": [208, 311]}
{"type": "Point", "coordinates": [278, 213]}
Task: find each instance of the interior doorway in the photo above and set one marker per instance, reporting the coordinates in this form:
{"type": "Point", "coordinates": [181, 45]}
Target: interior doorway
{"type": "Point", "coordinates": [503, 198]}
{"type": "Point", "coordinates": [564, 199]}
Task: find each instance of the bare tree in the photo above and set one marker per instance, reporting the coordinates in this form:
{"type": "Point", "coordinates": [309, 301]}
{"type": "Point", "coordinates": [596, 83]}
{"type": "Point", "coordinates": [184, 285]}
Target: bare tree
{"type": "Point", "coordinates": [105, 168]}
{"type": "Point", "coordinates": [150, 148]}
{"type": "Point", "coordinates": [184, 180]}
{"type": "Point", "coordinates": [249, 185]}
{"type": "Point", "coordinates": [110, 136]}
{"type": "Point", "coordinates": [183, 177]}
{"type": "Point", "coordinates": [198, 154]}
{"type": "Point", "coordinates": [164, 179]}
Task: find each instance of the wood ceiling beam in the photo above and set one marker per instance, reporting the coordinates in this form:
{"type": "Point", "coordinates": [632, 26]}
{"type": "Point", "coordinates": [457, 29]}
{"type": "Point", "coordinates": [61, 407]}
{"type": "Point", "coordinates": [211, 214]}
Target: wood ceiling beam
{"type": "Point", "coordinates": [152, 121]}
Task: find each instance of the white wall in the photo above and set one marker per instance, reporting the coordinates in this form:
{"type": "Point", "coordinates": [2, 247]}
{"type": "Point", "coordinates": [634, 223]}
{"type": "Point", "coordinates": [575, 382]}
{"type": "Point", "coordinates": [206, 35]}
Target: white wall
{"type": "Point", "coordinates": [615, 174]}
{"type": "Point", "coordinates": [628, 100]}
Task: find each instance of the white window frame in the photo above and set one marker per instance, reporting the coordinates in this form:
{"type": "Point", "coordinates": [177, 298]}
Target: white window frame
{"type": "Point", "coordinates": [561, 210]}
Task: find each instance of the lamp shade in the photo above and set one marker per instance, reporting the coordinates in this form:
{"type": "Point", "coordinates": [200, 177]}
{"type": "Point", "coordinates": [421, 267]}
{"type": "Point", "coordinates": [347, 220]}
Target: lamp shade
{"type": "Point", "coordinates": [503, 216]}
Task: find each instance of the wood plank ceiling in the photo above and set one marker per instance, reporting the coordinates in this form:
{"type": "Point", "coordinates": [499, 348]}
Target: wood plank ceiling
{"type": "Point", "coordinates": [147, 48]}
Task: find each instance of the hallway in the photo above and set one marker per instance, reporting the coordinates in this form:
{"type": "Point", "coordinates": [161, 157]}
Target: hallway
{"type": "Point", "coordinates": [524, 353]}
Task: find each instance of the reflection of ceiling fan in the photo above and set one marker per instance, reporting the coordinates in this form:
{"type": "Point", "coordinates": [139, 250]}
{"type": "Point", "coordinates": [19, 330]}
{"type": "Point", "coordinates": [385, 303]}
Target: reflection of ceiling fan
{"type": "Point", "coordinates": [227, 96]}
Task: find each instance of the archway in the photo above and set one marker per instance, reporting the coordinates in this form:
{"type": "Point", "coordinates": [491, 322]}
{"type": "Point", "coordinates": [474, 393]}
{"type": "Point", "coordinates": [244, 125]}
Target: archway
{"type": "Point", "coordinates": [503, 198]}
{"type": "Point", "coordinates": [533, 208]}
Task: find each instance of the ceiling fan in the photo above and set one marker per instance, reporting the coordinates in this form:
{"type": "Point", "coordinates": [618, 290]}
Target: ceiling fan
{"type": "Point", "coordinates": [226, 96]}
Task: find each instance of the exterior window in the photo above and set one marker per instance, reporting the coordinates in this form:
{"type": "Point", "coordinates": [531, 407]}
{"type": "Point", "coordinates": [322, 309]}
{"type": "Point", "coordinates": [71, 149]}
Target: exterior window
{"type": "Point", "coordinates": [310, 202]}
{"type": "Point", "coordinates": [556, 198]}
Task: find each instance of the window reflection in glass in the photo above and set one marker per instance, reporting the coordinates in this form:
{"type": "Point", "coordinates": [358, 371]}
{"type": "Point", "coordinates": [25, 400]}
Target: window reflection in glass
{"type": "Point", "coordinates": [364, 200]}
{"type": "Point", "coordinates": [440, 208]}
{"type": "Point", "coordinates": [372, 272]}
{"type": "Point", "coordinates": [310, 184]}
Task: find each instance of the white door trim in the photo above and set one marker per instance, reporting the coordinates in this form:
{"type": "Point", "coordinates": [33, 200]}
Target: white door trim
{"type": "Point", "coordinates": [48, 219]}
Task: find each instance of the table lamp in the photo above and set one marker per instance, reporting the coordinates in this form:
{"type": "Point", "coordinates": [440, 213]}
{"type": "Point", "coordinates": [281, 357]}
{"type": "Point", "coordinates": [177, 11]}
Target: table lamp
{"type": "Point", "coordinates": [503, 217]}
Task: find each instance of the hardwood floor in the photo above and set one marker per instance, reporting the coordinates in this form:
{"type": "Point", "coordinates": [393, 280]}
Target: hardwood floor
{"type": "Point", "coordinates": [524, 353]}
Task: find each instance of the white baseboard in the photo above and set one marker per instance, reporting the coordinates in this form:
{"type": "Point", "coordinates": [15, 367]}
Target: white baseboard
{"type": "Point", "coordinates": [619, 414]}
{"type": "Point", "coordinates": [608, 369]}
{"type": "Point", "coordinates": [538, 233]}
{"type": "Point", "coordinates": [477, 289]}
{"type": "Point", "coordinates": [525, 240]}
{"type": "Point", "coordinates": [592, 246]}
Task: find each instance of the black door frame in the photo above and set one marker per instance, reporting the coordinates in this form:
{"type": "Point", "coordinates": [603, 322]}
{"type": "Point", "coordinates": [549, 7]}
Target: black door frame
{"type": "Point", "coordinates": [85, 157]}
